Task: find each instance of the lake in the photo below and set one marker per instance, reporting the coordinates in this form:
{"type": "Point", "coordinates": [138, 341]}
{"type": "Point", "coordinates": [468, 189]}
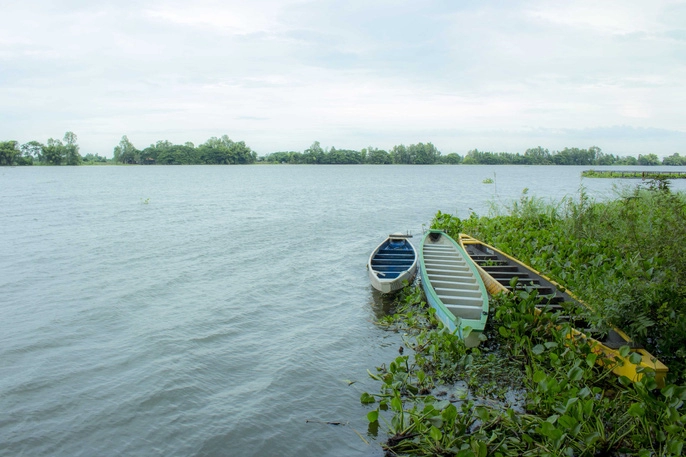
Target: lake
{"type": "Point", "coordinates": [212, 310]}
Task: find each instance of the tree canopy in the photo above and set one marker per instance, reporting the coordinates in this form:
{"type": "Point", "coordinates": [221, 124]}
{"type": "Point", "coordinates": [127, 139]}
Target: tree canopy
{"type": "Point", "coordinates": [224, 151]}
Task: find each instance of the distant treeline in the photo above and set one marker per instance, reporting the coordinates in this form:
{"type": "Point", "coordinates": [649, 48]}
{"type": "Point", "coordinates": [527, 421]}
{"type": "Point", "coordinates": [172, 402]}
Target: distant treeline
{"type": "Point", "coordinates": [215, 151]}
{"type": "Point", "coordinates": [226, 151]}
{"type": "Point", "coordinates": [66, 152]}
{"type": "Point", "coordinates": [414, 154]}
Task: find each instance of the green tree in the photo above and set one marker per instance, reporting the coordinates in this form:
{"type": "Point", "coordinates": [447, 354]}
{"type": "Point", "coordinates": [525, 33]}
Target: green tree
{"type": "Point", "coordinates": [473, 157]}
{"type": "Point", "coordinates": [9, 153]}
{"type": "Point", "coordinates": [648, 159]}
{"type": "Point", "coordinates": [628, 160]}
{"type": "Point", "coordinates": [71, 149]}
{"type": "Point", "coordinates": [32, 150]}
{"type": "Point", "coordinates": [126, 152]}
{"type": "Point", "coordinates": [378, 156]}
{"type": "Point", "coordinates": [93, 158]}
{"type": "Point", "coordinates": [452, 158]}
{"type": "Point", "coordinates": [226, 151]}
{"type": "Point", "coordinates": [216, 150]}
{"type": "Point", "coordinates": [314, 154]}
{"type": "Point", "coordinates": [423, 153]}
{"type": "Point", "coordinates": [400, 155]}
{"type": "Point", "coordinates": [674, 159]}
{"type": "Point", "coordinates": [53, 152]}
{"type": "Point", "coordinates": [538, 156]}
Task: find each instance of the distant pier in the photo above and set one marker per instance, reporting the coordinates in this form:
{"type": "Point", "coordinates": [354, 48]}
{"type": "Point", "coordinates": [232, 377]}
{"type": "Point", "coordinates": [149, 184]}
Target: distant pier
{"type": "Point", "coordinates": [648, 174]}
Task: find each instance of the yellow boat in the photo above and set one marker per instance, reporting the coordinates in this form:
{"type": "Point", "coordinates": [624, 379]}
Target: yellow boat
{"type": "Point", "coordinates": [497, 270]}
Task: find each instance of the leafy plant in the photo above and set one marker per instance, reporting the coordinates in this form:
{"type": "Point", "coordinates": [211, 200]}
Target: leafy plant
{"type": "Point", "coordinates": [434, 400]}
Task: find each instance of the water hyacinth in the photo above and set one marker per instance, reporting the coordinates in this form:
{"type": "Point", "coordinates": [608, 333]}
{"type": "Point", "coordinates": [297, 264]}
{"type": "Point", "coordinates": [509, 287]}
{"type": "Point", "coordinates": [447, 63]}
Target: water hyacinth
{"type": "Point", "coordinates": [528, 390]}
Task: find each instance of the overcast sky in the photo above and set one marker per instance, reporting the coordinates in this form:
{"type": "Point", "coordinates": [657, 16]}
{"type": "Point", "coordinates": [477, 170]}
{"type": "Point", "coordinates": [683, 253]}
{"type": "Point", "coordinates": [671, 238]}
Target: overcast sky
{"type": "Point", "coordinates": [281, 74]}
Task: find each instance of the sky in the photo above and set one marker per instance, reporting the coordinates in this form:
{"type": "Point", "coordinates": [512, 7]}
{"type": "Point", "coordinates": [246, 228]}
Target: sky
{"type": "Point", "coordinates": [500, 76]}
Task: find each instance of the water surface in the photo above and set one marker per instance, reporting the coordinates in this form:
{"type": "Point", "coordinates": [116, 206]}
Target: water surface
{"type": "Point", "coordinates": [210, 310]}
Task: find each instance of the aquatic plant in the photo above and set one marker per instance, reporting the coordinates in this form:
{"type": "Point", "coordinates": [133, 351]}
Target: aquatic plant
{"type": "Point", "coordinates": [445, 399]}
{"type": "Point", "coordinates": [626, 258]}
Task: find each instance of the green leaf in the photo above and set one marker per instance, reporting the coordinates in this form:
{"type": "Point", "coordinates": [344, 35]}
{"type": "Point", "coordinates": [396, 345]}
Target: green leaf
{"type": "Point", "coordinates": [373, 416]}
{"type": "Point", "coordinates": [436, 421]}
{"type": "Point", "coordinates": [482, 413]}
{"type": "Point", "coordinates": [637, 410]}
{"type": "Point", "coordinates": [567, 421]}
{"type": "Point", "coordinates": [538, 376]}
{"type": "Point", "coordinates": [623, 380]}
{"type": "Point", "coordinates": [538, 349]}
{"type": "Point", "coordinates": [591, 438]}
{"type": "Point", "coordinates": [635, 358]}
{"type": "Point", "coordinates": [591, 359]}
{"type": "Point", "coordinates": [575, 374]}
{"type": "Point", "coordinates": [396, 404]}
{"type": "Point", "coordinates": [367, 399]}
{"type": "Point", "coordinates": [435, 433]}
{"type": "Point", "coordinates": [668, 391]}
{"type": "Point", "coordinates": [675, 447]}
{"type": "Point", "coordinates": [624, 351]}
{"type": "Point", "coordinates": [585, 392]}
{"type": "Point", "coordinates": [483, 449]}
{"type": "Point", "coordinates": [449, 413]}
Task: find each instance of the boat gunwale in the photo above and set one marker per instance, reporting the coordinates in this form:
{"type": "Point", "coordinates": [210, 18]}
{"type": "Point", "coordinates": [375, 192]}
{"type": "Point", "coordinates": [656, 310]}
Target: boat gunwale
{"type": "Point", "coordinates": [647, 359]}
{"type": "Point", "coordinates": [404, 274]}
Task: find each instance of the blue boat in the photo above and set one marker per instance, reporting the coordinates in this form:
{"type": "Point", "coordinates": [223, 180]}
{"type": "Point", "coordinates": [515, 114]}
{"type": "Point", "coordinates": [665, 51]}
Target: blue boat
{"type": "Point", "coordinates": [453, 287]}
{"type": "Point", "coordinates": [392, 263]}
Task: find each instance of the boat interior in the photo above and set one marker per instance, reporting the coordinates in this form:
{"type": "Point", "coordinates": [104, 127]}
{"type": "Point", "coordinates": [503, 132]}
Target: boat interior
{"type": "Point", "coordinates": [393, 258]}
{"type": "Point", "coordinates": [453, 281]}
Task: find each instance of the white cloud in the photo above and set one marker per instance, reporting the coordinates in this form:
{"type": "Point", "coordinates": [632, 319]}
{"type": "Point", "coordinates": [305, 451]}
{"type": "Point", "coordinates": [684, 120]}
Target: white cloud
{"type": "Point", "coordinates": [281, 74]}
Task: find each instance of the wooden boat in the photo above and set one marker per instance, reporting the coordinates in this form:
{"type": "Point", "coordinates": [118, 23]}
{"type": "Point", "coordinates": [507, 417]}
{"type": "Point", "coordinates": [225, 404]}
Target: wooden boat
{"type": "Point", "coordinates": [453, 287]}
{"type": "Point", "coordinates": [498, 271]}
{"type": "Point", "coordinates": [392, 263]}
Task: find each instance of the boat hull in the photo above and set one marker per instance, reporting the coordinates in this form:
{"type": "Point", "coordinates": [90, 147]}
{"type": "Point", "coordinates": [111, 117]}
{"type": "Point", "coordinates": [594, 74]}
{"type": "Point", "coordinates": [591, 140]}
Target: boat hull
{"type": "Point", "coordinates": [392, 264]}
{"type": "Point", "coordinates": [497, 270]}
{"type": "Point", "coordinates": [453, 287]}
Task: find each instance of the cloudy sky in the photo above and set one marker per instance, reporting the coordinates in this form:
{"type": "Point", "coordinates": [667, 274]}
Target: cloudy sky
{"type": "Point", "coordinates": [280, 74]}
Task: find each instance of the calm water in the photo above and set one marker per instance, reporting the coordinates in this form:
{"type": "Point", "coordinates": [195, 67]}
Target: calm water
{"type": "Point", "coordinates": [180, 311]}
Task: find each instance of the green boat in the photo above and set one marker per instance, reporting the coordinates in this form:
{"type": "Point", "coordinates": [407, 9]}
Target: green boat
{"type": "Point", "coordinates": [453, 287]}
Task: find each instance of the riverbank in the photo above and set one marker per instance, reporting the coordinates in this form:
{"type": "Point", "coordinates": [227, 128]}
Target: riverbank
{"type": "Point", "coordinates": [526, 390]}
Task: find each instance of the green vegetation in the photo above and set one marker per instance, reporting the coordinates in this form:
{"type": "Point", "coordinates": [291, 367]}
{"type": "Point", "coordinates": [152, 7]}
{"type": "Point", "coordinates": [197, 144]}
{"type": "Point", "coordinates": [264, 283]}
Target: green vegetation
{"type": "Point", "coordinates": [625, 258]}
{"type": "Point", "coordinates": [633, 174]}
{"type": "Point", "coordinates": [215, 151]}
{"type": "Point", "coordinates": [541, 156]}
{"type": "Point", "coordinates": [527, 391]}
{"type": "Point", "coordinates": [66, 152]}
{"type": "Point", "coordinates": [417, 154]}
{"type": "Point", "coordinates": [54, 152]}
{"type": "Point", "coordinates": [224, 151]}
